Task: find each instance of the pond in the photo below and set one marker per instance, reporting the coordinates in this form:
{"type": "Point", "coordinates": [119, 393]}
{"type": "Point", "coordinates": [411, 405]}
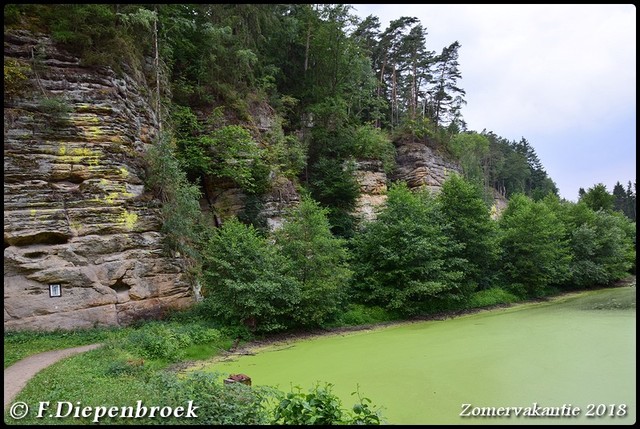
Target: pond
{"type": "Point", "coordinates": [572, 355]}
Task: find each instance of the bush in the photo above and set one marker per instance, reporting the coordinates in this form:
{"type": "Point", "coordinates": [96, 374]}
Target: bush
{"type": "Point", "coordinates": [318, 262]}
{"type": "Point", "coordinates": [16, 76]}
{"type": "Point", "coordinates": [57, 108]}
{"type": "Point", "coordinates": [358, 314]}
{"type": "Point", "coordinates": [405, 259]}
{"type": "Point", "coordinates": [246, 279]}
{"type": "Point", "coordinates": [490, 297]}
{"type": "Point", "coordinates": [181, 207]}
{"type": "Point", "coordinates": [321, 407]}
{"type": "Point", "coordinates": [372, 143]}
{"type": "Point", "coordinates": [158, 341]}
{"type": "Point", "coordinates": [535, 253]}
{"type": "Point", "coordinates": [218, 403]}
{"type": "Point", "coordinates": [167, 341]}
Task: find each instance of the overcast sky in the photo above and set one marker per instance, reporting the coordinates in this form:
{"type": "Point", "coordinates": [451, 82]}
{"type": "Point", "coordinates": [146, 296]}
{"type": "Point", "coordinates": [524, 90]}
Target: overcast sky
{"type": "Point", "coordinates": [561, 76]}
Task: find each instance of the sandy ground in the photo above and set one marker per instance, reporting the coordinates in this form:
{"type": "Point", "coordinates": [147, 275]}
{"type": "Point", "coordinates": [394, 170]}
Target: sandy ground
{"type": "Point", "coordinates": [17, 375]}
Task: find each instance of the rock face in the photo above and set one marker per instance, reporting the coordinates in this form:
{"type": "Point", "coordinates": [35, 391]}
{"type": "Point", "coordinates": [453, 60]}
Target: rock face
{"type": "Point", "coordinates": [75, 211]}
{"type": "Point", "coordinates": [372, 178]}
{"type": "Point", "coordinates": [417, 164]}
{"type": "Point", "coordinates": [421, 166]}
{"type": "Point", "coordinates": [500, 203]}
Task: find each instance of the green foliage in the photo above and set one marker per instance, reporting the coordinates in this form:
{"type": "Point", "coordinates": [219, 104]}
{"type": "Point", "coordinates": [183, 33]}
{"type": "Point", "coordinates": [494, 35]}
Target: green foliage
{"type": "Point", "coordinates": [161, 340]}
{"type": "Point", "coordinates": [534, 252]}
{"type": "Point", "coordinates": [334, 185]}
{"type": "Point", "coordinates": [247, 280]}
{"type": "Point", "coordinates": [93, 32]}
{"type": "Point", "coordinates": [235, 155]}
{"type": "Point", "coordinates": [602, 243]}
{"type": "Point", "coordinates": [406, 257]}
{"type": "Point", "coordinates": [470, 149]}
{"type": "Point", "coordinates": [286, 154]}
{"type": "Point", "coordinates": [491, 297]}
{"type": "Point", "coordinates": [218, 404]}
{"type": "Point", "coordinates": [470, 223]}
{"type": "Point", "coordinates": [181, 208]}
{"type": "Point", "coordinates": [227, 152]}
{"type": "Point", "coordinates": [320, 406]}
{"type": "Point", "coordinates": [318, 262]}
{"type": "Point", "coordinates": [373, 143]}
{"type": "Point", "coordinates": [16, 77]}
{"type": "Point", "coordinates": [358, 315]}
{"type": "Point", "coordinates": [598, 198]}
{"type": "Point", "coordinates": [56, 108]}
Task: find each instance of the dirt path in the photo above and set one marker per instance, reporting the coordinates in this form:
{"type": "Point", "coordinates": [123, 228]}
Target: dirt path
{"type": "Point", "coordinates": [17, 375]}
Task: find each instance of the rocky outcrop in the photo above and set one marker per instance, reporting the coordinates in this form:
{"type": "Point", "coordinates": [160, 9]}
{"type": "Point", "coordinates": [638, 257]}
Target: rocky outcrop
{"type": "Point", "coordinates": [419, 165]}
{"type": "Point", "coordinates": [75, 209]}
{"type": "Point", "coordinates": [372, 178]}
{"type": "Point", "coordinates": [500, 203]}
{"type": "Point", "coordinates": [223, 199]}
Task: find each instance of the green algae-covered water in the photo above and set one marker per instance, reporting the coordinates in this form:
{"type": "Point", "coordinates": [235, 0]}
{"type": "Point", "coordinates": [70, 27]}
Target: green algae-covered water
{"type": "Point", "coordinates": [575, 351]}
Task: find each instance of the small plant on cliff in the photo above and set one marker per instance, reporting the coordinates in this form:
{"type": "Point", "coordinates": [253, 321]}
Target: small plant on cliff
{"type": "Point", "coordinates": [16, 77]}
{"type": "Point", "coordinates": [56, 108]}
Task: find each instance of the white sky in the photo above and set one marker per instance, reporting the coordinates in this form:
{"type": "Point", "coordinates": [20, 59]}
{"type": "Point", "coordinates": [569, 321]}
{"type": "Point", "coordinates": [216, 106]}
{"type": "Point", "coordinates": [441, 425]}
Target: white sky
{"type": "Point", "coordinates": [562, 76]}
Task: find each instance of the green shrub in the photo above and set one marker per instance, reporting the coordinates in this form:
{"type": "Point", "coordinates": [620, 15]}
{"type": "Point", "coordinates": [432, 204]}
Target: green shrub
{"type": "Point", "coordinates": [159, 341]}
{"type": "Point", "coordinates": [218, 403]}
{"type": "Point", "coordinates": [168, 341]}
{"type": "Point", "coordinates": [405, 259]}
{"type": "Point", "coordinates": [182, 218]}
{"type": "Point", "coordinates": [320, 406]}
{"type": "Point", "coordinates": [16, 77]}
{"type": "Point", "coordinates": [358, 314]}
{"type": "Point", "coordinates": [489, 297]}
{"type": "Point", "coordinates": [373, 143]}
{"type": "Point", "coordinates": [57, 108]}
{"type": "Point", "coordinates": [246, 279]}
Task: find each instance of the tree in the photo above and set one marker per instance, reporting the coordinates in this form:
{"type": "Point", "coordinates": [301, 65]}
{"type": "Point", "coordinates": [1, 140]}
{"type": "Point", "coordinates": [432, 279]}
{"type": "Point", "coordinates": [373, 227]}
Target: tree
{"type": "Point", "coordinates": [625, 200]}
{"type": "Point", "coordinates": [318, 262]}
{"type": "Point", "coordinates": [465, 211]}
{"type": "Point", "coordinates": [534, 252]}
{"type": "Point", "coordinates": [247, 281]}
{"type": "Point", "coordinates": [470, 149]}
{"type": "Point", "coordinates": [598, 198]}
{"type": "Point", "coordinates": [406, 259]}
{"type": "Point", "coordinates": [601, 243]}
{"type": "Point", "coordinates": [446, 98]}
{"type": "Point", "coordinates": [620, 195]}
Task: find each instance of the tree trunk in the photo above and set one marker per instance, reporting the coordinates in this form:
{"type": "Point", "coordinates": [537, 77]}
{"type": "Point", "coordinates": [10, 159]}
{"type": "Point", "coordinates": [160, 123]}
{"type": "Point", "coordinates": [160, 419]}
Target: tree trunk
{"type": "Point", "coordinates": [157, 65]}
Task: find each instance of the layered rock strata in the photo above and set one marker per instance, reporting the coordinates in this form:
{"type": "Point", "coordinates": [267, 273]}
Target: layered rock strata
{"type": "Point", "coordinates": [419, 165]}
{"type": "Point", "coordinates": [77, 220]}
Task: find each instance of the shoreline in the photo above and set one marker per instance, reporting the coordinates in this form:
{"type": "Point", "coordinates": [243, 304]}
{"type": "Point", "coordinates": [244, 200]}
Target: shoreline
{"type": "Point", "coordinates": [285, 339]}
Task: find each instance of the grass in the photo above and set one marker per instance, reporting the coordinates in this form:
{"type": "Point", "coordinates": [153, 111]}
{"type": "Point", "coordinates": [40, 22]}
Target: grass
{"type": "Point", "coordinates": [88, 379]}
{"type": "Point", "coordinates": [18, 345]}
{"type": "Point", "coordinates": [129, 367]}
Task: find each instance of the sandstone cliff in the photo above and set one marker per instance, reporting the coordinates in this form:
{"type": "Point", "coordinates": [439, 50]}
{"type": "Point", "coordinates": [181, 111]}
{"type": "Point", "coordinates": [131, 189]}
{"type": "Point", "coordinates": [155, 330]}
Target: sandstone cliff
{"type": "Point", "coordinates": [417, 164]}
{"type": "Point", "coordinates": [75, 211]}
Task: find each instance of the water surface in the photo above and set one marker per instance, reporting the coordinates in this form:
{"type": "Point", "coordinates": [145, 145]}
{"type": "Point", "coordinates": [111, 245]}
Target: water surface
{"type": "Point", "coordinates": [573, 351]}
